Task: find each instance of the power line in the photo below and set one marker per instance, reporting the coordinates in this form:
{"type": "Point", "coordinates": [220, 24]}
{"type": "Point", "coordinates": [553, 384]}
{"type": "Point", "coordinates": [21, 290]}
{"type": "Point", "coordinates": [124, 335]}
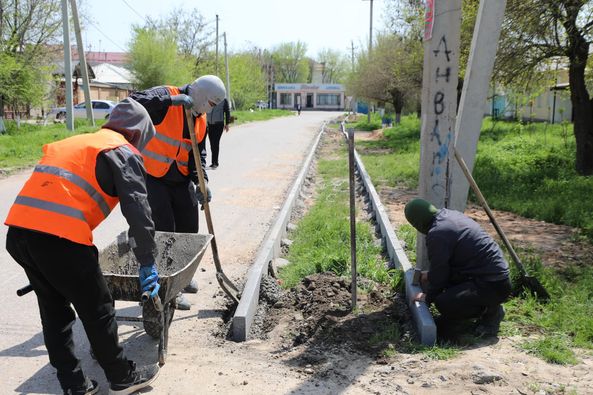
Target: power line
{"type": "Point", "coordinates": [106, 36]}
{"type": "Point", "coordinates": [140, 15]}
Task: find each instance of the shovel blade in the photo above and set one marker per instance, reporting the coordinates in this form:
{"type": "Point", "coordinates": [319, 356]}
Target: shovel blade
{"type": "Point", "coordinates": [535, 287]}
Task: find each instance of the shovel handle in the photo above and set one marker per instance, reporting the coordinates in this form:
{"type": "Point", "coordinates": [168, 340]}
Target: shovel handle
{"type": "Point", "coordinates": [484, 204]}
{"type": "Point", "coordinates": [24, 290]}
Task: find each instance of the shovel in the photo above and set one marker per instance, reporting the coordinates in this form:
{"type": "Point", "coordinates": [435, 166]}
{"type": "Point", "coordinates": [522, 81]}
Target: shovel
{"type": "Point", "coordinates": [225, 283]}
{"type": "Point", "coordinates": [530, 283]}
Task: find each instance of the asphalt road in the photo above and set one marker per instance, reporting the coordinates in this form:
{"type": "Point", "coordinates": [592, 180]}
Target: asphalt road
{"type": "Point", "coordinates": [258, 162]}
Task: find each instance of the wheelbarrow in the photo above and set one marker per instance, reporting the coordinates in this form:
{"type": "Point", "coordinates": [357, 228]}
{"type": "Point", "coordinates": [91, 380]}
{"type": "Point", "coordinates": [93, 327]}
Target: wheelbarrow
{"type": "Point", "coordinates": [179, 255]}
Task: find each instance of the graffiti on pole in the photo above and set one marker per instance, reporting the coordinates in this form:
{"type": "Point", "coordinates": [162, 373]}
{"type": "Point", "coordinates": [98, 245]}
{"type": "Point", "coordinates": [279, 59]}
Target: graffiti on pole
{"type": "Point", "coordinates": [428, 19]}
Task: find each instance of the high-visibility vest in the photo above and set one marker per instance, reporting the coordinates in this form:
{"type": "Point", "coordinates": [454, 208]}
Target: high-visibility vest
{"type": "Point", "coordinates": [63, 197]}
{"type": "Point", "coordinates": [168, 145]}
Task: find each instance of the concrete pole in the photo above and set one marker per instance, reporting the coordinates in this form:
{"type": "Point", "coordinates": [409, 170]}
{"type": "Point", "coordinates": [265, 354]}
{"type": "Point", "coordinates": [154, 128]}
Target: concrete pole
{"type": "Point", "coordinates": [228, 81]}
{"type": "Point", "coordinates": [439, 105]}
{"type": "Point", "coordinates": [216, 44]}
{"type": "Point", "coordinates": [67, 66]}
{"type": "Point", "coordinates": [474, 94]}
{"type": "Point", "coordinates": [370, 49]}
{"type": "Point", "coordinates": [82, 57]}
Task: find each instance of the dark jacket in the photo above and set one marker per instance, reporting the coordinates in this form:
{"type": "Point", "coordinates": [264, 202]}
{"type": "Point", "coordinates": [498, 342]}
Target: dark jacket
{"type": "Point", "coordinates": [157, 101]}
{"type": "Point", "coordinates": [220, 114]}
{"type": "Point", "coordinates": [458, 250]}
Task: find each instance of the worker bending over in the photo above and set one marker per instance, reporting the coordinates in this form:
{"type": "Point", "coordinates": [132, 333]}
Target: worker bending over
{"type": "Point", "coordinates": [172, 182]}
{"type": "Point", "coordinates": [76, 184]}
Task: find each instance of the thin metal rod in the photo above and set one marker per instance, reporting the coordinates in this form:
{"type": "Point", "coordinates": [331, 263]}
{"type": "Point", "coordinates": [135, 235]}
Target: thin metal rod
{"type": "Point", "coordinates": [352, 216]}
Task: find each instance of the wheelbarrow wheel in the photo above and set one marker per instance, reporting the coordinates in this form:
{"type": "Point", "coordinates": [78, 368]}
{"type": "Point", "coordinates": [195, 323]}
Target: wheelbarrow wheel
{"type": "Point", "coordinates": [151, 318]}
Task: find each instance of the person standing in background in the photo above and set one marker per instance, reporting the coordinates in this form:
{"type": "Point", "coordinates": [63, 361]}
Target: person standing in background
{"type": "Point", "coordinates": [218, 119]}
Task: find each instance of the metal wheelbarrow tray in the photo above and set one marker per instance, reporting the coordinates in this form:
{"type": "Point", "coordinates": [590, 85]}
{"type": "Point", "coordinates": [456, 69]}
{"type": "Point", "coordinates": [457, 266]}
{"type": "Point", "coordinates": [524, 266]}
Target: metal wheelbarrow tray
{"type": "Point", "coordinates": [179, 255]}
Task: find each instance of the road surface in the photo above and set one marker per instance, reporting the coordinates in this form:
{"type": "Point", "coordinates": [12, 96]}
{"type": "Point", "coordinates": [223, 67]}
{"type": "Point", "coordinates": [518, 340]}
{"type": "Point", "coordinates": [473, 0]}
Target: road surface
{"type": "Point", "coordinates": [258, 163]}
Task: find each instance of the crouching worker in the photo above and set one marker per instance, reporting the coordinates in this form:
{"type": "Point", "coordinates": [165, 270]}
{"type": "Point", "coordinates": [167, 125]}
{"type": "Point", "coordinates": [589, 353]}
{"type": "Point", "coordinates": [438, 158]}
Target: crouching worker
{"type": "Point", "coordinates": [468, 275]}
{"type": "Point", "coordinates": [76, 184]}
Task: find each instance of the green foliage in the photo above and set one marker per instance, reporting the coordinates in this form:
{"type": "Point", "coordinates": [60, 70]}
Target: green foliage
{"type": "Point", "coordinates": [394, 159]}
{"type": "Point", "coordinates": [22, 147]}
{"type": "Point", "coordinates": [259, 115]}
{"type": "Point", "coordinates": [290, 62]}
{"type": "Point", "coordinates": [335, 66]}
{"type": "Point", "coordinates": [364, 124]}
{"type": "Point", "coordinates": [154, 59]}
{"type": "Point", "coordinates": [322, 240]}
{"type": "Point", "coordinates": [248, 81]}
{"type": "Point", "coordinates": [553, 349]}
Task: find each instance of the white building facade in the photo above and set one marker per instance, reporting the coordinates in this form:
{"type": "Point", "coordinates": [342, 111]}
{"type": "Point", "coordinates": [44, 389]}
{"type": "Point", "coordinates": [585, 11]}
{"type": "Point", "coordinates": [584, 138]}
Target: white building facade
{"type": "Point", "coordinates": [309, 96]}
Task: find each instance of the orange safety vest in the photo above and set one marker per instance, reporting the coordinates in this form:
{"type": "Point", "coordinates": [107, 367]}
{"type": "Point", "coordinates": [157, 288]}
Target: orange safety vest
{"type": "Point", "coordinates": [63, 197]}
{"type": "Point", "coordinates": [168, 145]}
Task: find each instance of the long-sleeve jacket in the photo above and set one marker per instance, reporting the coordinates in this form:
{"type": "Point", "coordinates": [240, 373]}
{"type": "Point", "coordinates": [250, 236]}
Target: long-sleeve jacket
{"type": "Point", "coordinates": [458, 248]}
{"type": "Point", "coordinates": [221, 113]}
{"type": "Point", "coordinates": [157, 101]}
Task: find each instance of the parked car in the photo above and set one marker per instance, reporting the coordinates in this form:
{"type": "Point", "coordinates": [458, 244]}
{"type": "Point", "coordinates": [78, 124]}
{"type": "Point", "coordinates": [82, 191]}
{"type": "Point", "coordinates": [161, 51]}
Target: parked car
{"type": "Point", "coordinates": [101, 109]}
{"type": "Point", "coordinates": [261, 105]}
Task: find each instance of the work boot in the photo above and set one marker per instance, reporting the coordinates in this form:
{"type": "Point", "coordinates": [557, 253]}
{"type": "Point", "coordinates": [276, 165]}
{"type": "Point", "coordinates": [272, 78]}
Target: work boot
{"type": "Point", "coordinates": [489, 323]}
{"type": "Point", "coordinates": [90, 387]}
{"type": "Point", "coordinates": [191, 288]}
{"type": "Point", "coordinates": [182, 302]}
{"type": "Point", "coordinates": [137, 378]}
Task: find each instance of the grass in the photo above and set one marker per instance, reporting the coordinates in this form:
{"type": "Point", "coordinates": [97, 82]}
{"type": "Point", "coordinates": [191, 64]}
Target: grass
{"type": "Point", "coordinates": [263, 115]}
{"type": "Point", "coordinates": [22, 147]}
{"type": "Point", "coordinates": [321, 242]}
{"type": "Point", "coordinates": [364, 124]}
{"type": "Point", "coordinates": [513, 159]}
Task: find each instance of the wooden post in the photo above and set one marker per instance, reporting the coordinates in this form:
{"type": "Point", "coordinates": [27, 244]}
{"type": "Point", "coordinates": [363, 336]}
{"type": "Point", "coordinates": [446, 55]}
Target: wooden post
{"type": "Point", "coordinates": [474, 94]}
{"type": "Point", "coordinates": [228, 80]}
{"type": "Point", "coordinates": [439, 105]}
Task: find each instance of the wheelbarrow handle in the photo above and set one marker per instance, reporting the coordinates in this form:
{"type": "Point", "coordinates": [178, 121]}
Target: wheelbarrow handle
{"type": "Point", "coordinates": [24, 290]}
{"type": "Point", "coordinates": [156, 300]}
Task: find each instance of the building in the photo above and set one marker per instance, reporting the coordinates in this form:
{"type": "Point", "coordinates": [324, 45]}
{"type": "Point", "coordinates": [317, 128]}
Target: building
{"type": "Point", "coordinates": [309, 96]}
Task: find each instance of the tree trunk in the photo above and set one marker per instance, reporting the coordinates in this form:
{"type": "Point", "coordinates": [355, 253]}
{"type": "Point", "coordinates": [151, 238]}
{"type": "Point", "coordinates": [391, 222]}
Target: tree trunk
{"type": "Point", "coordinates": [581, 103]}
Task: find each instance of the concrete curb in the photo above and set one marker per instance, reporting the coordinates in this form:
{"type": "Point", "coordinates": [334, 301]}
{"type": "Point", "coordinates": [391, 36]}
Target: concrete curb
{"type": "Point", "coordinates": [269, 250]}
{"type": "Point", "coordinates": [422, 318]}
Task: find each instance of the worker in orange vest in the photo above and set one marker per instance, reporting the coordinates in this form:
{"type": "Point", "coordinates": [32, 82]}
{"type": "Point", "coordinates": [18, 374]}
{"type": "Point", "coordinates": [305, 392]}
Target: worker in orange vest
{"type": "Point", "coordinates": [76, 184]}
{"type": "Point", "coordinates": [172, 178]}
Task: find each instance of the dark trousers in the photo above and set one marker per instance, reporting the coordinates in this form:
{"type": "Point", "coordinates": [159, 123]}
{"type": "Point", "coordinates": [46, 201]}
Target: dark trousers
{"type": "Point", "coordinates": [172, 207]}
{"type": "Point", "coordinates": [471, 298]}
{"type": "Point", "coordinates": [64, 273]}
{"type": "Point", "coordinates": [215, 133]}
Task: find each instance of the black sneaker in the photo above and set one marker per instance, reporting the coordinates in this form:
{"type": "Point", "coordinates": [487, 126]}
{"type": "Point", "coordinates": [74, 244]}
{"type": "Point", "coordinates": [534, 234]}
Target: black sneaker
{"type": "Point", "coordinates": [182, 303]}
{"type": "Point", "coordinates": [213, 166]}
{"type": "Point", "coordinates": [489, 323]}
{"type": "Point", "coordinates": [90, 387]}
{"type": "Point", "coordinates": [138, 378]}
{"type": "Point", "coordinates": [191, 288]}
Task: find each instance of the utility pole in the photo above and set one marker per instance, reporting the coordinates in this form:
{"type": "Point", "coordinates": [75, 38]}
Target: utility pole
{"type": "Point", "coordinates": [82, 58]}
{"type": "Point", "coordinates": [439, 105]}
{"type": "Point", "coordinates": [352, 49]}
{"type": "Point", "coordinates": [216, 44]}
{"type": "Point", "coordinates": [473, 96]}
{"type": "Point", "coordinates": [67, 66]}
{"type": "Point", "coordinates": [370, 49]}
{"type": "Point", "coordinates": [228, 81]}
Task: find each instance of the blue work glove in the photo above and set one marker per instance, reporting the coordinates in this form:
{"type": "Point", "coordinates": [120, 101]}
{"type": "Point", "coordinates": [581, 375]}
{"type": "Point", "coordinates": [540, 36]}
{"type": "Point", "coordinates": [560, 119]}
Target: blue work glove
{"type": "Point", "coordinates": [149, 278]}
{"type": "Point", "coordinates": [182, 100]}
{"type": "Point", "coordinates": [196, 194]}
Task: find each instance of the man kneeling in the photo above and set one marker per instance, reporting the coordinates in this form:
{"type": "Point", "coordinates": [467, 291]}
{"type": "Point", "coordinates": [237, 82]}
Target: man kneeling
{"type": "Point", "coordinates": [468, 276]}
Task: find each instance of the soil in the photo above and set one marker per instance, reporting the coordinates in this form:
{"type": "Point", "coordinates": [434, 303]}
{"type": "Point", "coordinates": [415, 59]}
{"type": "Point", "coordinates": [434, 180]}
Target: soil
{"type": "Point", "coordinates": [312, 328]}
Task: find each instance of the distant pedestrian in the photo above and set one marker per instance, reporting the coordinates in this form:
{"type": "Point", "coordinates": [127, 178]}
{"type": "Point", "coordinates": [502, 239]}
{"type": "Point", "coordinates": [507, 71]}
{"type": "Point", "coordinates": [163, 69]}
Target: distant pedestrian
{"type": "Point", "coordinates": [299, 108]}
{"type": "Point", "coordinates": [218, 120]}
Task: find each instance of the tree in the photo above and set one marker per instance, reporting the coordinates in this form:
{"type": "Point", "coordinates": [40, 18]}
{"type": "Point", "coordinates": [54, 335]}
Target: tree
{"type": "Point", "coordinates": [27, 28]}
{"type": "Point", "coordinates": [290, 63]}
{"type": "Point", "coordinates": [392, 73]}
{"type": "Point", "coordinates": [335, 66]}
{"type": "Point", "coordinates": [154, 59]}
{"type": "Point", "coordinates": [248, 80]}
{"type": "Point", "coordinates": [537, 32]}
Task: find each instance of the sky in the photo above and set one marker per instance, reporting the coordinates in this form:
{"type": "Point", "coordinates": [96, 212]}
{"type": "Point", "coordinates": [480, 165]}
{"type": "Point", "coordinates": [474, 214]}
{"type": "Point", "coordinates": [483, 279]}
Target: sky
{"type": "Point", "coordinates": [263, 23]}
